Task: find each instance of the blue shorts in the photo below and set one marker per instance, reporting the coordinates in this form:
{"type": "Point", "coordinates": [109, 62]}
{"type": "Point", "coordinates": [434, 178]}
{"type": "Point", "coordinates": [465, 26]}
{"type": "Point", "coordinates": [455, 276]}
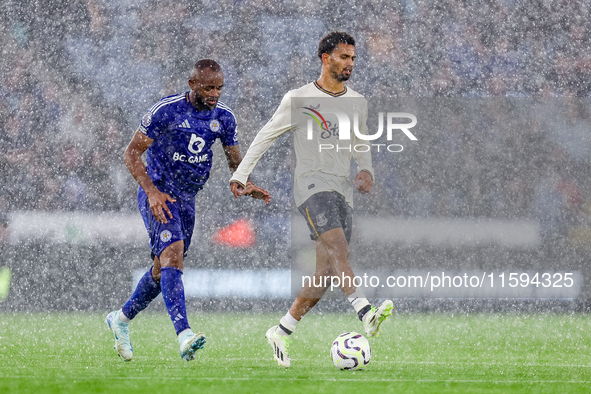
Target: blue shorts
{"type": "Point", "coordinates": [179, 228]}
{"type": "Point", "coordinates": [325, 211]}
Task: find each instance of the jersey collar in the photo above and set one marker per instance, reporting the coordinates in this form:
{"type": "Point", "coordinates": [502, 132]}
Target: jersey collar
{"type": "Point", "coordinates": [328, 92]}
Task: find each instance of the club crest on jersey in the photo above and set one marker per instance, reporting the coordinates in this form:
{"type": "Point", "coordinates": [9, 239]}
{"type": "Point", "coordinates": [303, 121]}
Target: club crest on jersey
{"type": "Point", "coordinates": [214, 125]}
{"type": "Point", "coordinates": [147, 119]}
{"type": "Point", "coordinates": [321, 220]}
{"type": "Point", "coordinates": [165, 236]}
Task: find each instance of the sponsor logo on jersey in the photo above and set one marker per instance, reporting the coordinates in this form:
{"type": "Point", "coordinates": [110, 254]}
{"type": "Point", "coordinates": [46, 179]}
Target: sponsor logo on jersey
{"type": "Point", "coordinates": [190, 159]}
{"type": "Point", "coordinates": [214, 125]}
{"type": "Point", "coordinates": [196, 144]}
{"type": "Point", "coordinates": [165, 236]}
{"type": "Point", "coordinates": [147, 120]}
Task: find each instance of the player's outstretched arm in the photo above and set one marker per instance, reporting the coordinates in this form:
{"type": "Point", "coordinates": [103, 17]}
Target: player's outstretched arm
{"type": "Point", "coordinates": [137, 168]}
{"type": "Point", "coordinates": [250, 189]}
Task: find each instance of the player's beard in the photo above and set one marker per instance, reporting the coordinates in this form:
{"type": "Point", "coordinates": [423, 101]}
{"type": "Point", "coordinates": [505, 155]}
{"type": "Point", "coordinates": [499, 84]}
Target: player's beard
{"type": "Point", "coordinates": [202, 104]}
{"type": "Point", "coordinates": [340, 76]}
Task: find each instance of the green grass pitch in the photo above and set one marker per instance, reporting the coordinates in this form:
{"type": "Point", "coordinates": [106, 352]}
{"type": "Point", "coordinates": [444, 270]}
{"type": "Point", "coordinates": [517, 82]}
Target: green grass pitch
{"type": "Point", "coordinates": [416, 353]}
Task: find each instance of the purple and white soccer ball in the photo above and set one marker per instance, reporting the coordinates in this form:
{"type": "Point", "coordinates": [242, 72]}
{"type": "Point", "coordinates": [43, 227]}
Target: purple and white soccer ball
{"type": "Point", "coordinates": [350, 351]}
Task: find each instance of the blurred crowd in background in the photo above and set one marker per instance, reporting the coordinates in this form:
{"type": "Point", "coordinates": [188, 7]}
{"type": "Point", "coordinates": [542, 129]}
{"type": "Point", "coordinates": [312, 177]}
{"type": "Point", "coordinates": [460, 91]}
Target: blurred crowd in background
{"type": "Point", "coordinates": [77, 76]}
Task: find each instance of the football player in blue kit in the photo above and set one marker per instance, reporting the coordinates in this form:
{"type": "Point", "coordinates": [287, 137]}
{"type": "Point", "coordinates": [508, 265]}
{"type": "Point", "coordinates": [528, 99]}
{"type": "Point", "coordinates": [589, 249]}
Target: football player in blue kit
{"type": "Point", "coordinates": [177, 133]}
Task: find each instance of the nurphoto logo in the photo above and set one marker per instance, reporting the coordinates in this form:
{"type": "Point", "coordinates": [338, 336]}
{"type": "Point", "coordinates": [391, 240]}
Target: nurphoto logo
{"type": "Point", "coordinates": [342, 129]}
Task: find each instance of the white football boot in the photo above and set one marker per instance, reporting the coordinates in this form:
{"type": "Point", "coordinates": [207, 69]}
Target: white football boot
{"type": "Point", "coordinates": [375, 317]}
{"type": "Point", "coordinates": [121, 332]}
{"type": "Point", "coordinates": [190, 343]}
{"type": "Point", "coordinates": [280, 345]}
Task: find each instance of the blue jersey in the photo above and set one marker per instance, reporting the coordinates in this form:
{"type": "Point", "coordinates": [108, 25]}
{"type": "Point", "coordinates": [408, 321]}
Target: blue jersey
{"type": "Point", "coordinates": [179, 159]}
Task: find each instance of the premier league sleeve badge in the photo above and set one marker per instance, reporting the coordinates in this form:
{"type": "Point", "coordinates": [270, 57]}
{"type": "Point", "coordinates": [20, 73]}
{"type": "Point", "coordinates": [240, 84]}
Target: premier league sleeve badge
{"type": "Point", "coordinates": [147, 119]}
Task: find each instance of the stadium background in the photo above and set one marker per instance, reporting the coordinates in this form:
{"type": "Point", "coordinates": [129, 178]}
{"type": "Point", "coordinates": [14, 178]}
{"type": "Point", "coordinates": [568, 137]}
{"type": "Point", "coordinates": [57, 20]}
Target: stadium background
{"type": "Point", "coordinates": [77, 77]}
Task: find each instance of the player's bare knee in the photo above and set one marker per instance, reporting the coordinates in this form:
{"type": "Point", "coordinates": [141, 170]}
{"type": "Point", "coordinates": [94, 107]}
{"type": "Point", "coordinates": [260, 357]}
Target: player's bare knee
{"type": "Point", "coordinates": [324, 271]}
{"type": "Point", "coordinates": [174, 260]}
{"type": "Point", "coordinates": [338, 254]}
{"type": "Point", "coordinates": [173, 255]}
{"type": "Point", "coordinates": [156, 269]}
{"type": "Point", "coordinates": [156, 274]}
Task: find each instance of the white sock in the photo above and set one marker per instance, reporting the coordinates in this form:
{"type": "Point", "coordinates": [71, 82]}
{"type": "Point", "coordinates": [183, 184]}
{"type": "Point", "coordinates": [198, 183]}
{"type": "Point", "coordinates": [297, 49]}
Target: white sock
{"type": "Point", "coordinates": [122, 318]}
{"type": "Point", "coordinates": [358, 300]}
{"type": "Point", "coordinates": [287, 325]}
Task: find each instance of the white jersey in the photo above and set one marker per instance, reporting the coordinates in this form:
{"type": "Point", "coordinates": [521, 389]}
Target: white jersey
{"type": "Point", "coordinates": [316, 170]}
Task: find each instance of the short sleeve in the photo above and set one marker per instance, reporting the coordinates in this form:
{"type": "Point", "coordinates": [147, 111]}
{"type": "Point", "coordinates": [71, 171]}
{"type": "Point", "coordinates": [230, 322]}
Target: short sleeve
{"type": "Point", "coordinates": [229, 136]}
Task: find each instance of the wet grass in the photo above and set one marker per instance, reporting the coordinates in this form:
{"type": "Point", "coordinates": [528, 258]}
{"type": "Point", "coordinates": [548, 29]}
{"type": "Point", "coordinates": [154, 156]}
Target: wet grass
{"type": "Point", "coordinates": [418, 353]}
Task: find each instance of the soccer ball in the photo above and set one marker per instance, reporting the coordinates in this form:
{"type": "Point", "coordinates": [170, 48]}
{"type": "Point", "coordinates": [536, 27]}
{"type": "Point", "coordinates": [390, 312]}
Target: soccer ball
{"type": "Point", "coordinates": [350, 351]}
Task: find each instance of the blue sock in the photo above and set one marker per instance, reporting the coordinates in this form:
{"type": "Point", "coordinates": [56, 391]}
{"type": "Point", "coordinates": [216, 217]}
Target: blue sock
{"type": "Point", "coordinates": [146, 290]}
{"type": "Point", "coordinates": [173, 293]}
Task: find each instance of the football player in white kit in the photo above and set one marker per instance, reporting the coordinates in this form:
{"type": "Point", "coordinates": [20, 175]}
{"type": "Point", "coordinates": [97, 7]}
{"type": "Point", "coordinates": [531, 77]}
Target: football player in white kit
{"type": "Point", "coordinates": [322, 188]}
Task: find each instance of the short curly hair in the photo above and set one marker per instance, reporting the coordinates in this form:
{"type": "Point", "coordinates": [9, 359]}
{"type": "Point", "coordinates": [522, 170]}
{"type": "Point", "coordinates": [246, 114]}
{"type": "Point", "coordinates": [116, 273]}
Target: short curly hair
{"type": "Point", "coordinates": [207, 63]}
{"type": "Point", "coordinates": [329, 42]}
